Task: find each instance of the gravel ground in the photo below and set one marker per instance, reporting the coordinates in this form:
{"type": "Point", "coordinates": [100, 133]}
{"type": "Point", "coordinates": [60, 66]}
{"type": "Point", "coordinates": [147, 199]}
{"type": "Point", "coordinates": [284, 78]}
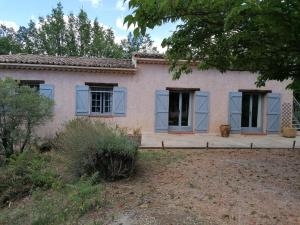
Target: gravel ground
{"type": "Point", "coordinates": [209, 187]}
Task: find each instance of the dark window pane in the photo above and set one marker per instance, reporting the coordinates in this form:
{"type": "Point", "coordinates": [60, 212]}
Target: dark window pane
{"type": "Point", "coordinates": [185, 109]}
{"type": "Point", "coordinates": [35, 84]}
{"type": "Point", "coordinates": [95, 102]}
{"type": "Point", "coordinates": [245, 109]}
{"type": "Point", "coordinates": [174, 109]}
{"type": "Point", "coordinates": [254, 110]}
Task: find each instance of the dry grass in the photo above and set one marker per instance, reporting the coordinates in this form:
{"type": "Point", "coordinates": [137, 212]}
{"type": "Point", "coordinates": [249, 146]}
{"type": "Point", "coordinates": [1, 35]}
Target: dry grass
{"type": "Point", "coordinates": [210, 187]}
{"type": "Point", "coordinates": [234, 187]}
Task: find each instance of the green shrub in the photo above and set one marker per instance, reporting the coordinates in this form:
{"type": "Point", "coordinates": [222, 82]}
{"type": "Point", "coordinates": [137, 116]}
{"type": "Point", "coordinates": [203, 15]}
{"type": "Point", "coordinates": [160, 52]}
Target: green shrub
{"type": "Point", "coordinates": [45, 146]}
{"type": "Point", "coordinates": [2, 160]}
{"type": "Point", "coordinates": [22, 109]}
{"type": "Point", "coordinates": [24, 173]}
{"type": "Point", "coordinates": [67, 205]}
{"type": "Point", "coordinates": [91, 147]}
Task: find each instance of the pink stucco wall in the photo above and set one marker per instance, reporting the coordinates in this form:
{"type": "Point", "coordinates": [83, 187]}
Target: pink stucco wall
{"type": "Point", "coordinates": [141, 92]}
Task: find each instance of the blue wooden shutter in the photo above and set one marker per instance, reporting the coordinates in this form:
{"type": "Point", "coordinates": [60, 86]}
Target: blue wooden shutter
{"type": "Point", "coordinates": [273, 113]}
{"type": "Point", "coordinates": [161, 111]}
{"type": "Point", "coordinates": [119, 101]}
{"type": "Point", "coordinates": [82, 100]}
{"type": "Point", "coordinates": [47, 90]}
{"type": "Point", "coordinates": [235, 111]}
{"type": "Point", "coordinates": [201, 111]}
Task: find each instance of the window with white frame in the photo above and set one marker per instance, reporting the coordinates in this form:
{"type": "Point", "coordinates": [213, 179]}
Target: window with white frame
{"type": "Point", "coordinates": [101, 100]}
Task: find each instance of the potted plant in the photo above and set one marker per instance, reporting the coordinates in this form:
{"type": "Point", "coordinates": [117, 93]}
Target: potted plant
{"type": "Point", "coordinates": [289, 132]}
{"type": "Point", "coordinates": [136, 135]}
{"type": "Point", "coordinates": [225, 130]}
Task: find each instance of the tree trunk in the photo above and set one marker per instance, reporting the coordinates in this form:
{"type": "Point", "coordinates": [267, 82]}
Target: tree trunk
{"type": "Point", "coordinates": [27, 137]}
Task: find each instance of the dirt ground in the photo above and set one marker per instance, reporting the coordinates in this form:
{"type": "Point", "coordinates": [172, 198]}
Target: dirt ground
{"type": "Point", "coordinates": [209, 187]}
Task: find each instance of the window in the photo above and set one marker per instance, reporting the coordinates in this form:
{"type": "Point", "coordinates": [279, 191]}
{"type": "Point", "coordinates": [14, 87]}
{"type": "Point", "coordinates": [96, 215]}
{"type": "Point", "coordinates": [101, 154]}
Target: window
{"type": "Point", "coordinates": [32, 83]}
{"type": "Point", "coordinates": [101, 99]}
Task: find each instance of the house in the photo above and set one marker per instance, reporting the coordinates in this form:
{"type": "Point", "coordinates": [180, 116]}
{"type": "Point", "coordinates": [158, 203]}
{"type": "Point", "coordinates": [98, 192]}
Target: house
{"type": "Point", "coordinates": [141, 93]}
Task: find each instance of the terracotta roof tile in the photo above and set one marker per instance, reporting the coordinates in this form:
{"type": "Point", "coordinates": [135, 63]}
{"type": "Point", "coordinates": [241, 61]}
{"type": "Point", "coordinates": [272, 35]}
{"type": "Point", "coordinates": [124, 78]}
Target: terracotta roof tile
{"type": "Point", "coordinates": [67, 61]}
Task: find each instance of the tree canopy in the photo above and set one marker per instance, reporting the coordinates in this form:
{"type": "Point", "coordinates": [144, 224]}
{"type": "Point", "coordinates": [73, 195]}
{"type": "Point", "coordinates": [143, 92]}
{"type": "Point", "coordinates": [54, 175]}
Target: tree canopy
{"type": "Point", "coordinates": [260, 36]}
{"type": "Point", "coordinates": [69, 35]}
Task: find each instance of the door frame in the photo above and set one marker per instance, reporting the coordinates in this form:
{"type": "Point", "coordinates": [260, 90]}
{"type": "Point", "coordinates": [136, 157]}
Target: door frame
{"type": "Point", "coordinates": [181, 128]}
{"type": "Point", "coordinates": [259, 128]}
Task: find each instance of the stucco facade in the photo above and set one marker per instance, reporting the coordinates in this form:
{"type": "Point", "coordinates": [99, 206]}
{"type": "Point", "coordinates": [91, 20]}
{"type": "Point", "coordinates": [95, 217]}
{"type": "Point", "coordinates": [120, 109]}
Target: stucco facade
{"type": "Point", "coordinates": [141, 87]}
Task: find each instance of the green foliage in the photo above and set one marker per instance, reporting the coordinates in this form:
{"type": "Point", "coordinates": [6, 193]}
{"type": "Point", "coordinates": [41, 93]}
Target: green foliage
{"type": "Point", "coordinates": [53, 31]}
{"type": "Point", "coordinates": [91, 147]}
{"type": "Point", "coordinates": [112, 50]}
{"type": "Point", "coordinates": [8, 41]}
{"type": "Point", "coordinates": [99, 41]}
{"type": "Point", "coordinates": [71, 42]}
{"type": "Point", "coordinates": [257, 36]}
{"type": "Point", "coordinates": [21, 110]}
{"type": "Point", "coordinates": [84, 35]}
{"type": "Point", "coordinates": [76, 36]}
{"type": "Point", "coordinates": [66, 205]}
{"type": "Point", "coordinates": [27, 37]}
{"type": "Point", "coordinates": [297, 96]}
{"type": "Point", "coordinates": [23, 174]}
{"type": "Point", "coordinates": [138, 44]}
{"type": "Point", "coordinates": [45, 146]}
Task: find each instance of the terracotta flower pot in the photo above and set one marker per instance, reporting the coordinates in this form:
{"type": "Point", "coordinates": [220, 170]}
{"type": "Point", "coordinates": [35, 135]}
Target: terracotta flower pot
{"type": "Point", "coordinates": [289, 132]}
{"type": "Point", "coordinates": [225, 130]}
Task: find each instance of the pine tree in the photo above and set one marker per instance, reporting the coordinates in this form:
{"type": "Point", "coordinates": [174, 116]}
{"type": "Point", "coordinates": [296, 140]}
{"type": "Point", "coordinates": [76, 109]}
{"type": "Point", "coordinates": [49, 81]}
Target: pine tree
{"type": "Point", "coordinates": [84, 33]}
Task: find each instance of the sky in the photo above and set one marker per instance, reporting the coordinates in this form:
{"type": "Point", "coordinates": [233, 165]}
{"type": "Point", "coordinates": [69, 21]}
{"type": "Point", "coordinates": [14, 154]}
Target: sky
{"type": "Point", "coordinates": [110, 13]}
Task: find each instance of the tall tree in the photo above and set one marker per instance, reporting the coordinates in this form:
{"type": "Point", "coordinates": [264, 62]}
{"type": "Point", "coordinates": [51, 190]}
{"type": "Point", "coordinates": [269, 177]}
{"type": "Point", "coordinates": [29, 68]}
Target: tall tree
{"type": "Point", "coordinates": [98, 40]}
{"type": "Point", "coordinates": [75, 36]}
{"type": "Point", "coordinates": [71, 44]}
{"type": "Point", "coordinates": [53, 32]}
{"type": "Point", "coordinates": [112, 50]}
{"type": "Point", "coordinates": [58, 27]}
{"type": "Point", "coordinates": [44, 45]}
{"type": "Point", "coordinates": [258, 36]}
{"type": "Point", "coordinates": [27, 37]}
{"type": "Point", "coordinates": [84, 33]}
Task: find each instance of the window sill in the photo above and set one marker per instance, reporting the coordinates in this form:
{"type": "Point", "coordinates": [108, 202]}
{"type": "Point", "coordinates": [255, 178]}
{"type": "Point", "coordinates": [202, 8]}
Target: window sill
{"type": "Point", "coordinates": [102, 116]}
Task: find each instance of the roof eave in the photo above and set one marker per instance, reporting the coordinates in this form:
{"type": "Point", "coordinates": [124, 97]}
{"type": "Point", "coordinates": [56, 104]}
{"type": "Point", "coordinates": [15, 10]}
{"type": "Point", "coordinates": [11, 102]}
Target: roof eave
{"type": "Point", "coordinates": [161, 61]}
{"type": "Point", "coordinates": [151, 61]}
{"type": "Point", "coordinates": [67, 68]}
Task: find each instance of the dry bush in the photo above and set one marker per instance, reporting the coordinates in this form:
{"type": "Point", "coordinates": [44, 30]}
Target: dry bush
{"type": "Point", "coordinates": [90, 147]}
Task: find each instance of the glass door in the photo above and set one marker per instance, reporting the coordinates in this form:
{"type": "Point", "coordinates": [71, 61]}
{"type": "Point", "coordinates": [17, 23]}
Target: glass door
{"type": "Point", "coordinates": [174, 112]}
{"type": "Point", "coordinates": [180, 111]}
{"type": "Point", "coordinates": [251, 112]}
